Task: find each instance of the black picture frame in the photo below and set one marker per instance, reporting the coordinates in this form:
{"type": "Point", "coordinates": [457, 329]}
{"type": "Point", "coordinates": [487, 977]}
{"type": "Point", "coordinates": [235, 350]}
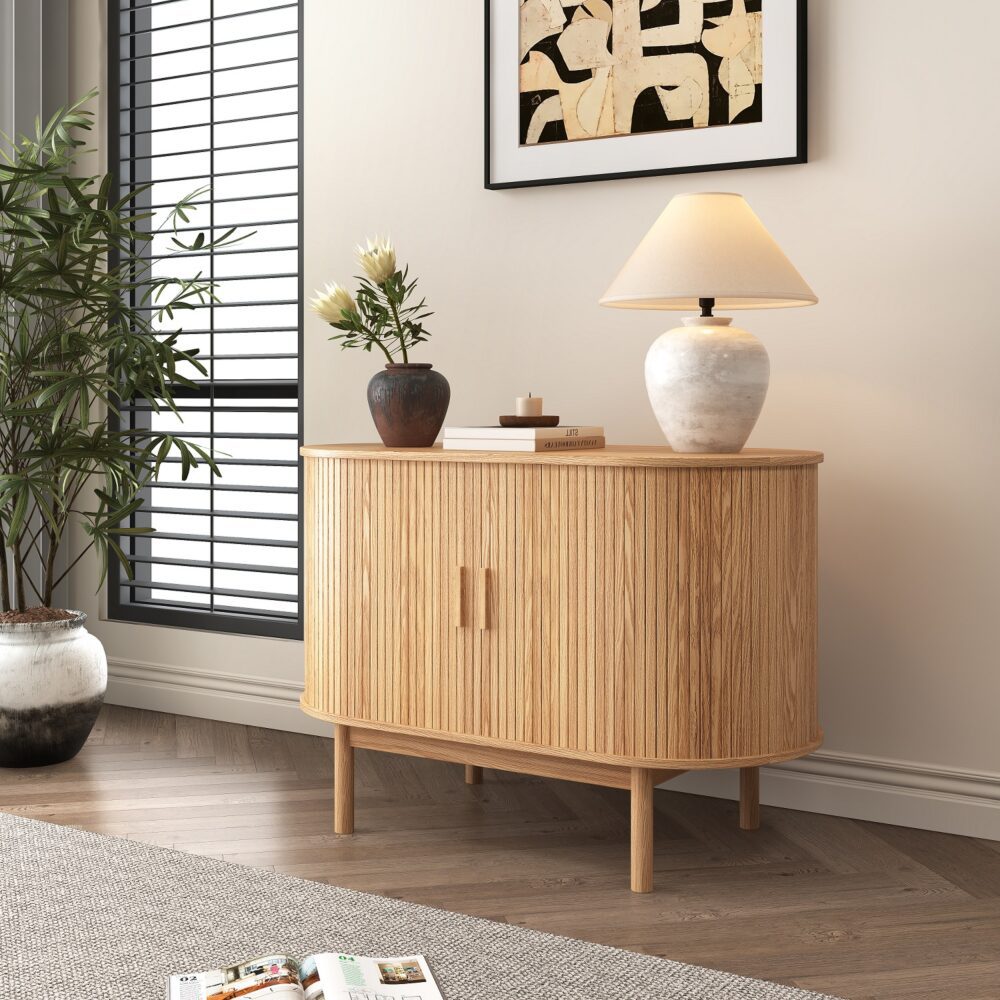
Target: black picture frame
{"type": "Point", "coordinates": [801, 138]}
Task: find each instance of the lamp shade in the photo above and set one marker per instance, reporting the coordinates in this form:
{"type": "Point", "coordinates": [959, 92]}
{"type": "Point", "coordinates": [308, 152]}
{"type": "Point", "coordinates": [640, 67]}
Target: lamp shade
{"type": "Point", "coordinates": [708, 246]}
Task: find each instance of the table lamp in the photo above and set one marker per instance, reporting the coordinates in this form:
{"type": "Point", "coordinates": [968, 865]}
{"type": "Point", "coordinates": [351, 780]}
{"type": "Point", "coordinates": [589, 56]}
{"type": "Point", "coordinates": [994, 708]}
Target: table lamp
{"type": "Point", "coordinates": [707, 380]}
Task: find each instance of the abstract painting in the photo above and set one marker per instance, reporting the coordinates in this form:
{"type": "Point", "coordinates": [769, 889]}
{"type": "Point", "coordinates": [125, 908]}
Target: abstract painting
{"type": "Point", "coordinates": [595, 68]}
{"type": "Point", "coordinates": [672, 85]}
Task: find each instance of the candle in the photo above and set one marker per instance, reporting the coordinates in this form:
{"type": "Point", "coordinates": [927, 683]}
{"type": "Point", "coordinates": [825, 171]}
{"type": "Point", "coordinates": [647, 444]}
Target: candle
{"type": "Point", "coordinates": [528, 406]}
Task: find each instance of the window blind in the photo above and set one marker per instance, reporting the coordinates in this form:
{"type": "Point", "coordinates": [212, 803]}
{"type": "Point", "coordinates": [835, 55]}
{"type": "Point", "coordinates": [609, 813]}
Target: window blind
{"type": "Point", "coordinates": [205, 95]}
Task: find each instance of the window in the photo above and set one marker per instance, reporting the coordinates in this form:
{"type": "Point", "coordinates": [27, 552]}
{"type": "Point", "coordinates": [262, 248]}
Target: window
{"type": "Point", "coordinates": [207, 94]}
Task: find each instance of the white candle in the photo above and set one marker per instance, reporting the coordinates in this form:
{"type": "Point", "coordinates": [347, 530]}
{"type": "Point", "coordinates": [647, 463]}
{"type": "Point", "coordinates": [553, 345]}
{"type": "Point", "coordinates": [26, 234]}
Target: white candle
{"type": "Point", "coordinates": [528, 406]}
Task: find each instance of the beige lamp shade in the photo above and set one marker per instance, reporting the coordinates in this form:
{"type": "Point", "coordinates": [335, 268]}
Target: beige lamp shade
{"type": "Point", "coordinates": [708, 246]}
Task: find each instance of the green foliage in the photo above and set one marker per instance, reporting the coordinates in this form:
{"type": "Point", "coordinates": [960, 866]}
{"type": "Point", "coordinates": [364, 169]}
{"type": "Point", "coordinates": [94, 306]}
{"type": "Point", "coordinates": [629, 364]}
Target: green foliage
{"type": "Point", "coordinates": [73, 259]}
{"type": "Point", "coordinates": [383, 319]}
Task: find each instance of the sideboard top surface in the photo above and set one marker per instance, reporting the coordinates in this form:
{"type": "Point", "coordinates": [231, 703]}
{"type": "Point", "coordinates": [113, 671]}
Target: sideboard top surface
{"type": "Point", "coordinates": [614, 455]}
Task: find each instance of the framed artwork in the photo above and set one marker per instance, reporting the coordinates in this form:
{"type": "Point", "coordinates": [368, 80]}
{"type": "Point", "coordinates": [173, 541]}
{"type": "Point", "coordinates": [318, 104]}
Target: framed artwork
{"type": "Point", "coordinates": [586, 90]}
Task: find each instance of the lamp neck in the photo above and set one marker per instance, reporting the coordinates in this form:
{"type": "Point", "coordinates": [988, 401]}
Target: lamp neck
{"type": "Point", "coordinates": [707, 305]}
{"type": "Point", "coordinates": [709, 321]}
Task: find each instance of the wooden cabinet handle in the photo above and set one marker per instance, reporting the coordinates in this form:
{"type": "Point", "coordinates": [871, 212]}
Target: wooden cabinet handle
{"type": "Point", "coordinates": [458, 596]}
{"type": "Point", "coordinates": [483, 600]}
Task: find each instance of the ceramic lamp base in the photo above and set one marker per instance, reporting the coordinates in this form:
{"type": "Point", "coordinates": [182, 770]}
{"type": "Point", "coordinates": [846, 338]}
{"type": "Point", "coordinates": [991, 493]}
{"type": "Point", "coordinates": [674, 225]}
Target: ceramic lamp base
{"type": "Point", "coordinates": [707, 382]}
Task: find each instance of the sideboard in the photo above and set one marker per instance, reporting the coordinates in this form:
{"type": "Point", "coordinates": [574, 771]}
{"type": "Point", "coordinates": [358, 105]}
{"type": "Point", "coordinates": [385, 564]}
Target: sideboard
{"type": "Point", "coordinates": [616, 617]}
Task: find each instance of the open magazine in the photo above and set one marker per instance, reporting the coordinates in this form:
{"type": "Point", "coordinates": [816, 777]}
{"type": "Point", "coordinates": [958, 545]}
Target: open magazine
{"type": "Point", "coordinates": [315, 977]}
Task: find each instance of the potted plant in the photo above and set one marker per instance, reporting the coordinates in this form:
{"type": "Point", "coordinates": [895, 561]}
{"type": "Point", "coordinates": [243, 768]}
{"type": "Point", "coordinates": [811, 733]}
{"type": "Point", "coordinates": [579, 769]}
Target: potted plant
{"type": "Point", "coordinates": [408, 401]}
{"type": "Point", "coordinates": [80, 311]}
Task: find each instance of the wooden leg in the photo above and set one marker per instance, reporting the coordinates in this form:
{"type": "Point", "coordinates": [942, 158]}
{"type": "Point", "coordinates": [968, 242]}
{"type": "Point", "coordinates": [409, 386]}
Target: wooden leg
{"type": "Point", "coordinates": [473, 774]}
{"type": "Point", "coordinates": [642, 830]}
{"type": "Point", "coordinates": [749, 798]}
{"type": "Point", "coordinates": [343, 781]}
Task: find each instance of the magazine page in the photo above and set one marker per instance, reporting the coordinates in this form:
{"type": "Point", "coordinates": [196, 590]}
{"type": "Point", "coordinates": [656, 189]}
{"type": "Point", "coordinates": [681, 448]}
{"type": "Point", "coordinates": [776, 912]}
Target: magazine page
{"type": "Point", "coordinates": [274, 977]}
{"type": "Point", "coordinates": [356, 977]}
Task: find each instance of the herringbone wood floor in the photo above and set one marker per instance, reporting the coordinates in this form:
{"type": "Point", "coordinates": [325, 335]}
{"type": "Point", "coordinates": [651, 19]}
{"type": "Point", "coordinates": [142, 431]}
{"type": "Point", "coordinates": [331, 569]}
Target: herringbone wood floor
{"type": "Point", "coordinates": [853, 909]}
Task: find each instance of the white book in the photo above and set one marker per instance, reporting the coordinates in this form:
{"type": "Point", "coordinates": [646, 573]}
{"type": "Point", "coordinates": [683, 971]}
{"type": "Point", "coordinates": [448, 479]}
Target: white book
{"type": "Point", "coordinates": [498, 444]}
{"type": "Point", "coordinates": [521, 433]}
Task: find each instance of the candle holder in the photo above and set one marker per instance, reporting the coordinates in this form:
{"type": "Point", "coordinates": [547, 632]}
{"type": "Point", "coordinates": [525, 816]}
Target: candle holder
{"type": "Point", "coordinates": [512, 420]}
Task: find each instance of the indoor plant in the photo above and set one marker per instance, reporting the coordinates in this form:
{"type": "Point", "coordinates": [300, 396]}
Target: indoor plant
{"type": "Point", "coordinates": [80, 311]}
{"type": "Point", "coordinates": [408, 401]}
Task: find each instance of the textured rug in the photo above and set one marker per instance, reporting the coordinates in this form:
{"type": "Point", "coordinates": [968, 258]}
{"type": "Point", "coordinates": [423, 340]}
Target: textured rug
{"type": "Point", "coordinates": [89, 917]}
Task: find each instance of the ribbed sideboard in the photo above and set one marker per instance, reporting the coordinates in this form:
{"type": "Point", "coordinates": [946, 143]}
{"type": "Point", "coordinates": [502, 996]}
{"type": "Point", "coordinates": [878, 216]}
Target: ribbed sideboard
{"type": "Point", "coordinates": [616, 616]}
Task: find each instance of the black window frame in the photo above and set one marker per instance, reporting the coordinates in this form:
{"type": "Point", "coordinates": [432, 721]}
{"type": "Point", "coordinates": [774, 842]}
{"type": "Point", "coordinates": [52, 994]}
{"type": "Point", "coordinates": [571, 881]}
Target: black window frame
{"type": "Point", "coordinates": [214, 621]}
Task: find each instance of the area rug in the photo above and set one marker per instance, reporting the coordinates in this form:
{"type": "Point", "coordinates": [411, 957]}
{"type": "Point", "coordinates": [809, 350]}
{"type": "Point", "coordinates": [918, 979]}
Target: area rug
{"type": "Point", "coordinates": [90, 917]}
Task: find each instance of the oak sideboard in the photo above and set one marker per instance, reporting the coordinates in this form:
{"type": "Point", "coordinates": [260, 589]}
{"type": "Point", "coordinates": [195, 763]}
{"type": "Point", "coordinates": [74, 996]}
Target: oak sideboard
{"type": "Point", "coordinates": [616, 617]}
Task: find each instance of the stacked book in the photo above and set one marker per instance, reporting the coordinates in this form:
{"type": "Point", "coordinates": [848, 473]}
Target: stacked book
{"type": "Point", "coordinates": [523, 438]}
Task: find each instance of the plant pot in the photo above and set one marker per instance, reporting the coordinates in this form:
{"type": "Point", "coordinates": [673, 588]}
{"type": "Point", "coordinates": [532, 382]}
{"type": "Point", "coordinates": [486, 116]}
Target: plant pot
{"type": "Point", "coordinates": [53, 676]}
{"type": "Point", "coordinates": [408, 404]}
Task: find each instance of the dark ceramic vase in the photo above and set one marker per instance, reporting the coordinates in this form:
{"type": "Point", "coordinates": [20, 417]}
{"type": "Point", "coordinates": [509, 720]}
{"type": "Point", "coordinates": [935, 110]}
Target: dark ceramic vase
{"type": "Point", "coordinates": [408, 404]}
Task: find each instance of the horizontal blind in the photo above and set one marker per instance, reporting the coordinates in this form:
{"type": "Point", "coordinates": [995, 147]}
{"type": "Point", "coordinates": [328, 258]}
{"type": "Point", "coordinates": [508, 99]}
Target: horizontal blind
{"type": "Point", "coordinates": [206, 94]}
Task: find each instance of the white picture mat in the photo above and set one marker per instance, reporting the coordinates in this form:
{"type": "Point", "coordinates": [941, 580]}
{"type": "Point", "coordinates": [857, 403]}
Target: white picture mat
{"type": "Point", "coordinates": [774, 138]}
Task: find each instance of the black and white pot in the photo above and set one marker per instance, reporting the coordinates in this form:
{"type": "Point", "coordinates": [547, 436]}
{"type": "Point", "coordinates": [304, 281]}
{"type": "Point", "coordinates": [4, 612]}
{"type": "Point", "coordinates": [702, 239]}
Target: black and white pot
{"type": "Point", "coordinates": [53, 676]}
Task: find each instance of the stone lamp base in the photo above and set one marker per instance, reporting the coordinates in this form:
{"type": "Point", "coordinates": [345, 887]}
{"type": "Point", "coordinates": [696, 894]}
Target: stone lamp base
{"type": "Point", "coordinates": [707, 381]}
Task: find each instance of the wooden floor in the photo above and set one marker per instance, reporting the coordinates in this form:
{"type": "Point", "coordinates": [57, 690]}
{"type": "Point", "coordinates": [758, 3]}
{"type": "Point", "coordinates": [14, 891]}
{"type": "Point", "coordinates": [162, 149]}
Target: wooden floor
{"type": "Point", "coordinates": [853, 909]}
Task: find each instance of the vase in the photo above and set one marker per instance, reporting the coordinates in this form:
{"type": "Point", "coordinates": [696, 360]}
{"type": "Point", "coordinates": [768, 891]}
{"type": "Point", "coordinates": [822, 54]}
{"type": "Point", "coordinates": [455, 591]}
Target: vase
{"type": "Point", "coordinates": [408, 403]}
{"type": "Point", "coordinates": [53, 676]}
{"type": "Point", "coordinates": [707, 382]}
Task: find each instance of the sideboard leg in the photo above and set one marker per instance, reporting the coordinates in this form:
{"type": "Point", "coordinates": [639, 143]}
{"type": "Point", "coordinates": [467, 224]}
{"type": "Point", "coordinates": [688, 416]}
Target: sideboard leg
{"type": "Point", "coordinates": [473, 774]}
{"type": "Point", "coordinates": [749, 798]}
{"type": "Point", "coordinates": [642, 830]}
{"type": "Point", "coordinates": [343, 781]}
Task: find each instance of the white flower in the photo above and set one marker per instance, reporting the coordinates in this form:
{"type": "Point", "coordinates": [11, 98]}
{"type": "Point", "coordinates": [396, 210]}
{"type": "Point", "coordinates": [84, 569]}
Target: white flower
{"type": "Point", "coordinates": [333, 303]}
{"type": "Point", "coordinates": [378, 260]}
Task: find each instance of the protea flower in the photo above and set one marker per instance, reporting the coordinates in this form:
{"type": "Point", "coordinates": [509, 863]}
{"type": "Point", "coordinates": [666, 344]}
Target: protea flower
{"type": "Point", "coordinates": [333, 303]}
{"type": "Point", "coordinates": [378, 260]}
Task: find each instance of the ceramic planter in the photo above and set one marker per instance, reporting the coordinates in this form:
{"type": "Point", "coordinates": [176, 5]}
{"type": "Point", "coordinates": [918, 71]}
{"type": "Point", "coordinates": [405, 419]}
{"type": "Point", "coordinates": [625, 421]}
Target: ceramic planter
{"type": "Point", "coordinates": [53, 676]}
{"type": "Point", "coordinates": [408, 403]}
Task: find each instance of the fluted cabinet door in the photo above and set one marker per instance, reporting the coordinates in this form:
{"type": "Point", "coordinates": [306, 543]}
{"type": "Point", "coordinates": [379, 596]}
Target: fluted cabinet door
{"type": "Point", "coordinates": [378, 614]}
{"type": "Point", "coordinates": [551, 589]}
{"type": "Point", "coordinates": [568, 633]}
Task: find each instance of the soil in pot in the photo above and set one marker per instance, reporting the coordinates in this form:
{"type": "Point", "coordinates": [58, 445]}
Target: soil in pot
{"type": "Point", "coordinates": [37, 614]}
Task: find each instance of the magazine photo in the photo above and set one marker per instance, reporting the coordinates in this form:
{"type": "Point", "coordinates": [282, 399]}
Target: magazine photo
{"type": "Point", "coordinates": [325, 976]}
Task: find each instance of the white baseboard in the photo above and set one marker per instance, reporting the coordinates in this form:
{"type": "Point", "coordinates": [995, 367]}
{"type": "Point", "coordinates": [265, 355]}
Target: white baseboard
{"type": "Point", "coordinates": [871, 788]}
{"type": "Point", "coordinates": [252, 701]}
{"type": "Point", "coordinates": [902, 793]}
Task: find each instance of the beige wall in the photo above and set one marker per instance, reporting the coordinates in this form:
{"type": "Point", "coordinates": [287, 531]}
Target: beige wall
{"type": "Point", "coordinates": [894, 375]}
